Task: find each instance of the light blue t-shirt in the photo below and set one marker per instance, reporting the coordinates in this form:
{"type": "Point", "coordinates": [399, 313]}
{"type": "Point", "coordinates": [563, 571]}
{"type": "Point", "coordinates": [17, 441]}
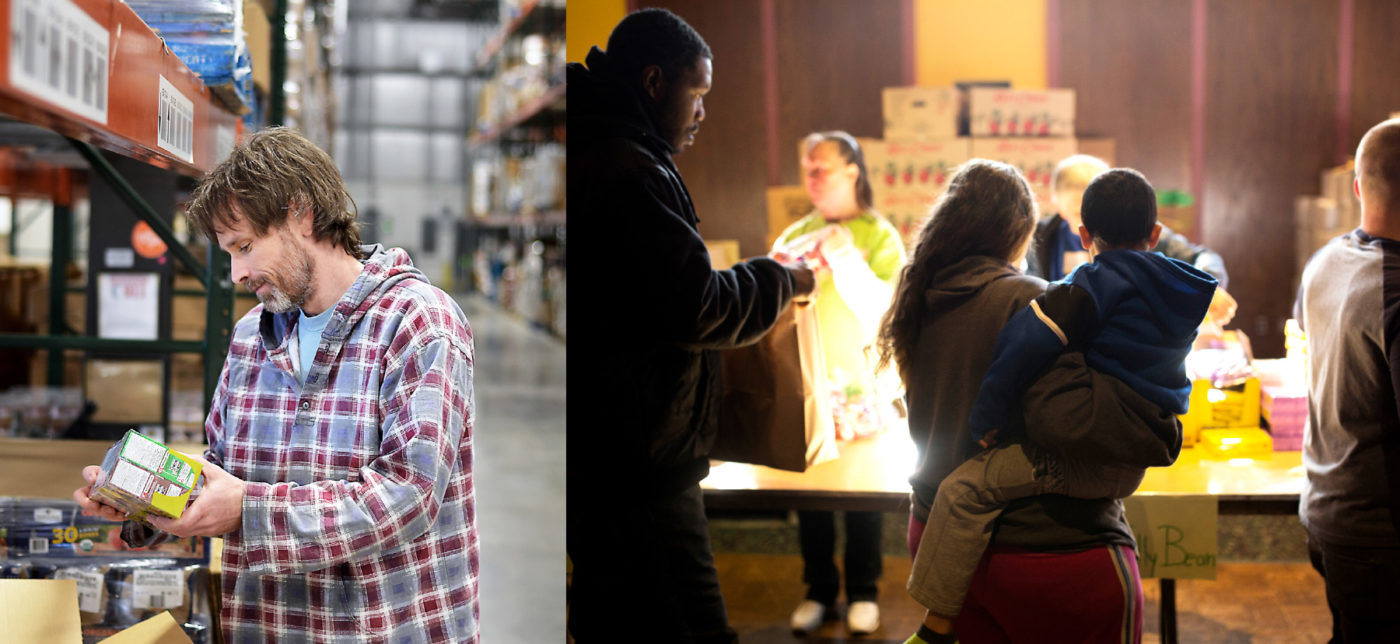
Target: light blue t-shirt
{"type": "Point", "coordinates": [309, 337]}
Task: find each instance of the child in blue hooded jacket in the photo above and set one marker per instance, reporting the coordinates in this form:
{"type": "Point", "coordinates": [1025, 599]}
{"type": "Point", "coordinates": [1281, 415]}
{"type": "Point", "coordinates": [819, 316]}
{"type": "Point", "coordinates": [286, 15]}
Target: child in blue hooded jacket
{"type": "Point", "coordinates": [1133, 315]}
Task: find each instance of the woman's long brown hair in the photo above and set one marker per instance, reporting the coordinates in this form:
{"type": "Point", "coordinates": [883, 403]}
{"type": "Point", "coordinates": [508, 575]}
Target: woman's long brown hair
{"type": "Point", "coordinates": [987, 210]}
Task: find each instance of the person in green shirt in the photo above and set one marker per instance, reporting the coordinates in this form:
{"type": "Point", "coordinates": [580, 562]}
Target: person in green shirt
{"type": "Point", "coordinates": [857, 255]}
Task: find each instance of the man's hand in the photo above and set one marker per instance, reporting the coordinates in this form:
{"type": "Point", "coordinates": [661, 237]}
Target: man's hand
{"type": "Point", "coordinates": [217, 512]}
{"type": "Point", "coordinates": [803, 280]}
{"type": "Point", "coordinates": [989, 440]}
{"type": "Point", "coordinates": [93, 508]}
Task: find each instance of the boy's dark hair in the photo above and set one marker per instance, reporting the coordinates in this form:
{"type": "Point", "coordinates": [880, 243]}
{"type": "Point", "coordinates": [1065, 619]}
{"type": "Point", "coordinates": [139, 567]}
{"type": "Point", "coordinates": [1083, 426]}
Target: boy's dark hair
{"type": "Point", "coordinates": [655, 37]}
{"type": "Point", "coordinates": [1120, 208]}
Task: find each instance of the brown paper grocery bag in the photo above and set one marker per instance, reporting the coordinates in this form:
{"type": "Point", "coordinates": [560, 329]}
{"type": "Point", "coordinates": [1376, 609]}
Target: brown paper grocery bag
{"type": "Point", "coordinates": [776, 406]}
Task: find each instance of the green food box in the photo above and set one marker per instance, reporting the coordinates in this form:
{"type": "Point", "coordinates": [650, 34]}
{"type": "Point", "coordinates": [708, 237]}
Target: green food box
{"type": "Point", "coordinates": [141, 477]}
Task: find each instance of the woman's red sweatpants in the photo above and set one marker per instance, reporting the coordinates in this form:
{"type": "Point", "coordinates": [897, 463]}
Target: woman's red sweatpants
{"type": "Point", "coordinates": [1088, 597]}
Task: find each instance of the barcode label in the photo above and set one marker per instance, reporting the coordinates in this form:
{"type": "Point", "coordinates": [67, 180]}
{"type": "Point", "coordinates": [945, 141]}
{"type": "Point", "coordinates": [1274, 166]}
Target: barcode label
{"type": "Point", "coordinates": [175, 122]}
{"type": "Point", "coordinates": [156, 589]}
{"type": "Point", "coordinates": [59, 54]}
{"type": "Point", "coordinates": [89, 588]}
{"type": "Point", "coordinates": [38, 546]}
{"type": "Point", "coordinates": [225, 140]}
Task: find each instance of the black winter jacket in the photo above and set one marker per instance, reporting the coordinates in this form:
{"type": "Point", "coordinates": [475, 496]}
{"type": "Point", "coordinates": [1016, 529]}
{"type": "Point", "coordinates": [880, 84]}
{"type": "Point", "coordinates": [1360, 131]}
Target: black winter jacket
{"type": "Point", "coordinates": [654, 314]}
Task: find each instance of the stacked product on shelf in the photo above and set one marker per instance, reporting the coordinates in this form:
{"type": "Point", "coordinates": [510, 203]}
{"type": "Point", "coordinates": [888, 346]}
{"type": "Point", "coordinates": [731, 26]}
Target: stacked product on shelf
{"type": "Point", "coordinates": [39, 412]}
{"type": "Point", "coordinates": [207, 35]}
{"type": "Point", "coordinates": [518, 166]}
{"type": "Point", "coordinates": [310, 99]}
{"type": "Point", "coordinates": [117, 586]}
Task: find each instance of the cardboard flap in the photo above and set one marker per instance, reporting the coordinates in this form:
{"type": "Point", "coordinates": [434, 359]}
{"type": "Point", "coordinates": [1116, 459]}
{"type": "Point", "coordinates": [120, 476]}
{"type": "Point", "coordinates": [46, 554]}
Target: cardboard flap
{"type": "Point", "coordinates": [161, 629]}
{"type": "Point", "coordinates": [40, 610]}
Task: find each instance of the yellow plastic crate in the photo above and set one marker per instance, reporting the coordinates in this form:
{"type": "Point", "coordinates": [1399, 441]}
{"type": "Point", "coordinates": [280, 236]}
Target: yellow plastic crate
{"type": "Point", "coordinates": [1215, 408]}
{"type": "Point", "coordinates": [1238, 442]}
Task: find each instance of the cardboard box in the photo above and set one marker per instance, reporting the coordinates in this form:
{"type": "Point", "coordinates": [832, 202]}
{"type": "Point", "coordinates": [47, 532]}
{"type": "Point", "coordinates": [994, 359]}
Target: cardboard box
{"type": "Point", "coordinates": [920, 112]}
{"type": "Point", "coordinates": [1316, 221]}
{"type": "Point", "coordinates": [907, 177]}
{"type": "Point", "coordinates": [258, 36]}
{"type": "Point", "coordinates": [40, 610]}
{"type": "Point", "coordinates": [1036, 158]}
{"type": "Point", "coordinates": [786, 205]}
{"type": "Point", "coordinates": [724, 253]}
{"type": "Point", "coordinates": [923, 166]}
{"type": "Point", "coordinates": [1021, 113]}
{"type": "Point", "coordinates": [141, 476]}
{"type": "Point", "coordinates": [1338, 184]}
{"type": "Point", "coordinates": [161, 629]}
{"type": "Point", "coordinates": [46, 610]}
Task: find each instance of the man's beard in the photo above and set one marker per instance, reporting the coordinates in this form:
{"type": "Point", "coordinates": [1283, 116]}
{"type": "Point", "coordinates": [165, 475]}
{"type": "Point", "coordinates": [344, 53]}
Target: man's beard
{"type": "Point", "coordinates": [296, 272]}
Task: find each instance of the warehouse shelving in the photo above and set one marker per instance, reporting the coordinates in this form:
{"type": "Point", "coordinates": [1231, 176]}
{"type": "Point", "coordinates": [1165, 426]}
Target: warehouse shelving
{"type": "Point", "coordinates": [522, 116]}
{"type": "Point", "coordinates": [548, 100]}
{"type": "Point", "coordinates": [92, 71]}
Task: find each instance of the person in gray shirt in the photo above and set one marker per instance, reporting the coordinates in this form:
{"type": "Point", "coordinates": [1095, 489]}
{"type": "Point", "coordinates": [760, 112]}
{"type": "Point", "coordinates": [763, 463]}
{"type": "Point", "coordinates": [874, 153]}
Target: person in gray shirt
{"type": "Point", "coordinates": [1349, 307]}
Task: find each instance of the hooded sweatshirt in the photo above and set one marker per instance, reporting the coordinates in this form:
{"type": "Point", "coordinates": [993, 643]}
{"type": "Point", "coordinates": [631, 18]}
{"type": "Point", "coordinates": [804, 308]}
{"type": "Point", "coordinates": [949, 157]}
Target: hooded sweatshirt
{"type": "Point", "coordinates": [358, 509]}
{"type": "Point", "coordinates": [963, 306]}
{"type": "Point", "coordinates": [647, 354]}
{"type": "Point", "coordinates": [1134, 315]}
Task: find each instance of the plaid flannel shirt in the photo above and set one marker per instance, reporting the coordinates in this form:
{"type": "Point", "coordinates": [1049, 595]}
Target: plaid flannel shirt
{"type": "Point", "coordinates": [359, 517]}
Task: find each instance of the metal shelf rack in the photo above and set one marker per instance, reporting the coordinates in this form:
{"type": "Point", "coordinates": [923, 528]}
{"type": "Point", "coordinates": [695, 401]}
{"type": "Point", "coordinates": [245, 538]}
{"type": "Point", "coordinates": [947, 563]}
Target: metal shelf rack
{"type": "Point", "coordinates": [92, 71]}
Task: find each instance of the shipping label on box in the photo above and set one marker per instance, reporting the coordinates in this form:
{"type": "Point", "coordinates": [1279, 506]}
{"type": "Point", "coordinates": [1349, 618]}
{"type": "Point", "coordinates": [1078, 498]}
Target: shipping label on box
{"type": "Point", "coordinates": [920, 112]}
{"type": "Point", "coordinates": [1036, 159]}
{"type": "Point", "coordinates": [141, 476]}
{"type": "Point", "coordinates": [1019, 112]}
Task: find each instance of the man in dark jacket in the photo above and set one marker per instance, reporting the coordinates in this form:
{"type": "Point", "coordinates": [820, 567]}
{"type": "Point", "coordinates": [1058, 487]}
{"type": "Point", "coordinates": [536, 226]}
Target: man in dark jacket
{"type": "Point", "coordinates": [646, 348]}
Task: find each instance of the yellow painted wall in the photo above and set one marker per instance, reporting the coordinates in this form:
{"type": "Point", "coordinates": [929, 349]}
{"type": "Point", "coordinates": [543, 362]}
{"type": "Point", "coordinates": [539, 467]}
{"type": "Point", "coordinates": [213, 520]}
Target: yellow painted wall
{"type": "Point", "coordinates": [588, 23]}
{"type": "Point", "coordinates": [983, 40]}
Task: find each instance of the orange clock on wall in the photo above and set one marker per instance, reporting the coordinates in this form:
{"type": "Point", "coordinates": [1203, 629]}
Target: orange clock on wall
{"type": "Point", "coordinates": [146, 242]}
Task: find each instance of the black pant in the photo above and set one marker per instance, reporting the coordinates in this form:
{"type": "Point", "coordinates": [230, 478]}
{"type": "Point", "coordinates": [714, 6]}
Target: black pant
{"type": "Point", "coordinates": [643, 571]}
{"type": "Point", "coordinates": [1361, 590]}
{"type": "Point", "coordinates": [816, 530]}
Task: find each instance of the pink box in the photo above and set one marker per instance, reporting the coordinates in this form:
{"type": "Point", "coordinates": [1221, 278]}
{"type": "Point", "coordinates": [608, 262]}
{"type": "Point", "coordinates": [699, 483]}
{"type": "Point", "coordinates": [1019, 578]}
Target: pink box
{"type": "Point", "coordinates": [1288, 443]}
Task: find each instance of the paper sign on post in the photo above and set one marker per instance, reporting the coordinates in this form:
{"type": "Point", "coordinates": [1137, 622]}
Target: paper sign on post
{"type": "Point", "coordinates": [1176, 534]}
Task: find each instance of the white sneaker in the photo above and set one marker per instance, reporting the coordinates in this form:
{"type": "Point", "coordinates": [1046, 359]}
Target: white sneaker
{"type": "Point", "coordinates": [862, 618]}
{"type": "Point", "coordinates": [808, 616]}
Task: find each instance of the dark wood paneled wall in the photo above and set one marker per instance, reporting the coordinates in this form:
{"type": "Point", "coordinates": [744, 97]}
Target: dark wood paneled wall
{"type": "Point", "coordinates": [1271, 118]}
{"type": "Point", "coordinates": [1271, 122]}
{"type": "Point", "coordinates": [833, 57]}
{"type": "Point", "coordinates": [726, 169]}
{"type": "Point", "coordinates": [1375, 84]}
{"type": "Point", "coordinates": [1130, 66]}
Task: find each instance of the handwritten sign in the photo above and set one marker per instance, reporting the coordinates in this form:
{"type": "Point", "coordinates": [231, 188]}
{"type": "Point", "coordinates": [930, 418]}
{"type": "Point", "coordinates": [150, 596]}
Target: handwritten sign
{"type": "Point", "coordinates": [1176, 535]}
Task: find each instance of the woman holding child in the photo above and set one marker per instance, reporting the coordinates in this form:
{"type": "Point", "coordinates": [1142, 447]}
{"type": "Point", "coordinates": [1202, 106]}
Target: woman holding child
{"type": "Point", "coordinates": [1058, 568]}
